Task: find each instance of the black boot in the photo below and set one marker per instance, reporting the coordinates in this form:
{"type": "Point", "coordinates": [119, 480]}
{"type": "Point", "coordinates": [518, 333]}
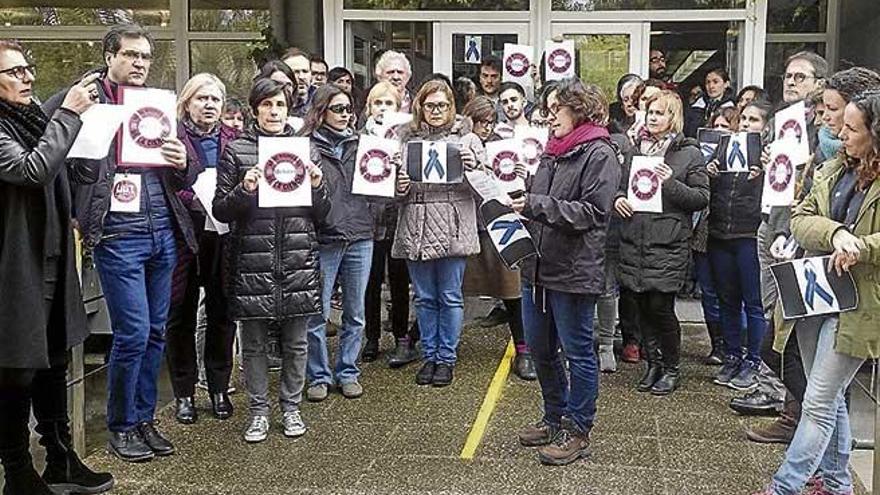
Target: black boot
{"type": "Point", "coordinates": [185, 410]}
{"type": "Point", "coordinates": [668, 382]}
{"type": "Point", "coordinates": [716, 356]}
{"type": "Point", "coordinates": [64, 471]}
{"type": "Point", "coordinates": [26, 481]}
{"type": "Point", "coordinates": [21, 477]}
{"type": "Point", "coordinates": [654, 369]}
{"type": "Point", "coordinates": [221, 406]}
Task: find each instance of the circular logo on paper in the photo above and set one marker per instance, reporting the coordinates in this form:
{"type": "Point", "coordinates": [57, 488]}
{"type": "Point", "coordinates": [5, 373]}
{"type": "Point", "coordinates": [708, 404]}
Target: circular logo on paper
{"type": "Point", "coordinates": [517, 64]}
{"type": "Point", "coordinates": [125, 191]}
{"type": "Point", "coordinates": [375, 166]}
{"type": "Point", "coordinates": [791, 127]}
{"type": "Point", "coordinates": [504, 165]}
{"type": "Point", "coordinates": [645, 184]}
{"type": "Point", "coordinates": [149, 127]}
{"type": "Point", "coordinates": [559, 61]}
{"type": "Point", "coordinates": [781, 172]}
{"type": "Point", "coordinates": [532, 151]}
{"type": "Point", "coordinates": [285, 172]}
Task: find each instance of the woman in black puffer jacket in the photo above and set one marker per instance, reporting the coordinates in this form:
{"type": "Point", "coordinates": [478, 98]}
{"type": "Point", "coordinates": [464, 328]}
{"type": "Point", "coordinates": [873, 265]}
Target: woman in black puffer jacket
{"type": "Point", "coordinates": [274, 273]}
{"type": "Point", "coordinates": [655, 247]}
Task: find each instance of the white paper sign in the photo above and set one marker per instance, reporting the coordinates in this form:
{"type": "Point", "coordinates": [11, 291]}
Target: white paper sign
{"type": "Point", "coordinates": [813, 282]}
{"type": "Point", "coordinates": [486, 186]}
{"type": "Point", "coordinates": [205, 188]}
{"type": "Point", "coordinates": [737, 153]}
{"type": "Point", "coordinates": [779, 177]}
{"type": "Point", "coordinates": [100, 123]}
{"type": "Point", "coordinates": [125, 197]}
{"type": "Point", "coordinates": [558, 60]}
{"type": "Point", "coordinates": [434, 162]}
{"type": "Point", "coordinates": [645, 192]}
{"type": "Point", "coordinates": [391, 121]}
{"type": "Point", "coordinates": [502, 159]}
{"type": "Point", "coordinates": [517, 59]}
{"type": "Point", "coordinates": [473, 49]}
{"type": "Point", "coordinates": [149, 121]}
{"type": "Point", "coordinates": [295, 123]}
{"type": "Point", "coordinates": [285, 162]}
{"type": "Point", "coordinates": [533, 140]}
{"type": "Point", "coordinates": [792, 123]}
{"type": "Point", "coordinates": [374, 172]}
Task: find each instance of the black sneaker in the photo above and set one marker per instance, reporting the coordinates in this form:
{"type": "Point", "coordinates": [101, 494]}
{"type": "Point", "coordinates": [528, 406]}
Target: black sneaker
{"type": "Point", "coordinates": [129, 446]}
{"type": "Point", "coordinates": [728, 371]}
{"type": "Point", "coordinates": [524, 367]}
{"type": "Point", "coordinates": [442, 375]}
{"type": "Point", "coordinates": [426, 373]}
{"type": "Point", "coordinates": [757, 403]}
{"type": "Point", "coordinates": [157, 443]}
{"type": "Point", "coordinates": [747, 376]}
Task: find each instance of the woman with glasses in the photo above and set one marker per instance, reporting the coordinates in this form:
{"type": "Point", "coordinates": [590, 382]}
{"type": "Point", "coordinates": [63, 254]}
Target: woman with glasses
{"type": "Point", "coordinates": [436, 232]}
{"type": "Point", "coordinates": [568, 205]}
{"type": "Point", "coordinates": [623, 111]}
{"type": "Point", "coordinates": [717, 93]}
{"type": "Point", "coordinates": [274, 275]}
{"type": "Point", "coordinates": [345, 243]}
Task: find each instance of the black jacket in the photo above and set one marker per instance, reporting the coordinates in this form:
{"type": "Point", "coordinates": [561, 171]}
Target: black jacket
{"type": "Point", "coordinates": [735, 206]}
{"type": "Point", "coordinates": [655, 247]}
{"type": "Point", "coordinates": [272, 252]}
{"type": "Point", "coordinates": [568, 203]}
{"type": "Point", "coordinates": [92, 201]}
{"type": "Point", "coordinates": [351, 216]}
{"type": "Point", "coordinates": [26, 177]}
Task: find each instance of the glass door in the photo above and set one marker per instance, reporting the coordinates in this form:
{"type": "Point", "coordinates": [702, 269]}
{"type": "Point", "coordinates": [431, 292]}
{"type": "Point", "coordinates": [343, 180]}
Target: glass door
{"type": "Point", "coordinates": [606, 51]}
{"type": "Point", "coordinates": [460, 46]}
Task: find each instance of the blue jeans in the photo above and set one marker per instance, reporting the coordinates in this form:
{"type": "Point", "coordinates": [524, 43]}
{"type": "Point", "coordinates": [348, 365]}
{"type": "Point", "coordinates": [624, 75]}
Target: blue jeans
{"type": "Point", "coordinates": [708, 297]}
{"type": "Point", "coordinates": [734, 264]}
{"type": "Point", "coordinates": [351, 263]}
{"type": "Point", "coordinates": [135, 272]}
{"type": "Point", "coordinates": [566, 320]}
{"type": "Point", "coordinates": [823, 438]}
{"type": "Point", "coordinates": [439, 306]}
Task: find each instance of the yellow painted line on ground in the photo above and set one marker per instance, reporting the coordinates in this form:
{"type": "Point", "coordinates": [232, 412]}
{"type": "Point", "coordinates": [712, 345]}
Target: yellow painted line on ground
{"type": "Point", "coordinates": [489, 402]}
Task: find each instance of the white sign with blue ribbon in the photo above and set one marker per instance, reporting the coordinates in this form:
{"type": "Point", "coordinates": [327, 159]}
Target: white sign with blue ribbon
{"type": "Point", "coordinates": [473, 49]}
{"type": "Point", "coordinates": [808, 288]}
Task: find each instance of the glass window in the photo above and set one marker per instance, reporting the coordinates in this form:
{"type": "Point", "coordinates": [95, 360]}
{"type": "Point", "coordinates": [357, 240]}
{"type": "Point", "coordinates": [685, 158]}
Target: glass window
{"type": "Point", "coordinates": [797, 16]}
{"type": "Point", "coordinates": [693, 48]}
{"type": "Point", "coordinates": [438, 4]}
{"type": "Point", "coordinates": [236, 15]}
{"type": "Point", "coordinates": [601, 59]}
{"type": "Point", "coordinates": [588, 5]}
{"type": "Point", "coordinates": [774, 63]}
{"type": "Point", "coordinates": [61, 62]}
{"type": "Point", "coordinates": [86, 13]}
{"type": "Point", "coordinates": [369, 39]}
{"type": "Point", "coordinates": [231, 61]}
{"type": "Point", "coordinates": [492, 44]}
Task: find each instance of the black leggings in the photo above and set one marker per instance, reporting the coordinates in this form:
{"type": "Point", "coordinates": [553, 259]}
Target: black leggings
{"type": "Point", "coordinates": [659, 323]}
{"type": "Point", "coordinates": [514, 309]}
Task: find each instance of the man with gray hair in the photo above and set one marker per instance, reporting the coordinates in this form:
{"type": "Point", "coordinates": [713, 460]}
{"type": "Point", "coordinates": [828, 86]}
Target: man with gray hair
{"type": "Point", "coordinates": [395, 68]}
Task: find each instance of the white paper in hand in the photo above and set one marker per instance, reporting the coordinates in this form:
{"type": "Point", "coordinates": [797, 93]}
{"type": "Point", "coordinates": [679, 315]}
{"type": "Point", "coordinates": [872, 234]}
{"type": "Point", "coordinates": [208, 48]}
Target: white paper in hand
{"type": "Point", "coordinates": [559, 60]}
{"type": "Point", "coordinates": [148, 123]}
{"type": "Point", "coordinates": [374, 172]}
{"type": "Point", "coordinates": [644, 192]}
{"type": "Point", "coordinates": [533, 140]}
{"type": "Point", "coordinates": [502, 159]}
{"type": "Point", "coordinates": [779, 178]}
{"type": "Point", "coordinates": [792, 123]}
{"type": "Point", "coordinates": [205, 187]}
{"type": "Point", "coordinates": [100, 123]}
{"type": "Point", "coordinates": [285, 163]}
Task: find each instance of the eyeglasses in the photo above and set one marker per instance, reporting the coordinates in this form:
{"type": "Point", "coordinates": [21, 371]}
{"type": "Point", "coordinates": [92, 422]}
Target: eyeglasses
{"type": "Point", "coordinates": [133, 55]}
{"type": "Point", "coordinates": [432, 107]}
{"type": "Point", "coordinates": [341, 108]}
{"type": "Point", "coordinates": [798, 77]}
{"type": "Point", "coordinates": [486, 123]}
{"type": "Point", "coordinates": [551, 111]}
{"type": "Point", "coordinates": [19, 71]}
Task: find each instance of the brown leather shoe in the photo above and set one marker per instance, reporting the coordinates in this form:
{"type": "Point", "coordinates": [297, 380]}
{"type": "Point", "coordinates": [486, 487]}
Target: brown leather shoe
{"type": "Point", "coordinates": [535, 435]}
{"type": "Point", "coordinates": [567, 446]}
{"type": "Point", "coordinates": [780, 431]}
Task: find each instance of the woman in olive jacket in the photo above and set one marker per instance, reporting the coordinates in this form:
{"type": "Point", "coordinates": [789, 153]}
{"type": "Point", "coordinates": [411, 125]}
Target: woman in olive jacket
{"type": "Point", "coordinates": [655, 247]}
{"type": "Point", "coordinates": [274, 273]}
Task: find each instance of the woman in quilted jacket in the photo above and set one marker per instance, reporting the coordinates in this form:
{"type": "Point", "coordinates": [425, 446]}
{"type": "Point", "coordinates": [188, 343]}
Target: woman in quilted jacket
{"type": "Point", "coordinates": [436, 232]}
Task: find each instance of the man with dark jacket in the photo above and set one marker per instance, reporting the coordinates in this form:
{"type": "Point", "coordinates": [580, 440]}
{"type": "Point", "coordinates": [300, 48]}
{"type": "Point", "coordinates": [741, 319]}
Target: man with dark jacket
{"type": "Point", "coordinates": [135, 254]}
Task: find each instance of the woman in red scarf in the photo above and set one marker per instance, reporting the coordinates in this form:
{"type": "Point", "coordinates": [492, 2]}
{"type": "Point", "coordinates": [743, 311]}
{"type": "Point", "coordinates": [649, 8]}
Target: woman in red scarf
{"type": "Point", "coordinates": [568, 203]}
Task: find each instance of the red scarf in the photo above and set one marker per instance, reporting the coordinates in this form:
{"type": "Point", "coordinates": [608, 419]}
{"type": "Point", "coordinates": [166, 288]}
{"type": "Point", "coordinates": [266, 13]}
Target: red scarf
{"type": "Point", "coordinates": [580, 135]}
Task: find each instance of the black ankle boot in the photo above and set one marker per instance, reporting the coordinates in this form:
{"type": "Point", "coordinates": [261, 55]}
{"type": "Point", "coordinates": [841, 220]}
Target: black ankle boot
{"type": "Point", "coordinates": [716, 355]}
{"type": "Point", "coordinates": [26, 481]}
{"type": "Point", "coordinates": [667, 383]}
{"type": "Point", "coordinates": [652, 374]}
{"type": "Point", "coordinates": [64, 471]}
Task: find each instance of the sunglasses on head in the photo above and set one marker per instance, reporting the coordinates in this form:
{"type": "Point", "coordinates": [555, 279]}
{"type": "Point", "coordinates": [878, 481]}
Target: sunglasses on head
{"type": "Point", "coordinates": [341, 108]}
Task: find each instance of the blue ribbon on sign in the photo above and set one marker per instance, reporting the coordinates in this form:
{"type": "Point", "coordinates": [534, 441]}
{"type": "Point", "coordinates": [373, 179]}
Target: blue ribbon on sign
{"type": "Point", "coordinates": [472, 51]}
{"type": "Point", "coordinates": [708, 150]}
{"type": "Point", "coordinates": [509, 228]}
{"type": "Point", "coordinates": [813, 288]}
{"type": "Point", "coordinates": [434, 163]}
{"type": "Point", "coordinates": [736, 154]}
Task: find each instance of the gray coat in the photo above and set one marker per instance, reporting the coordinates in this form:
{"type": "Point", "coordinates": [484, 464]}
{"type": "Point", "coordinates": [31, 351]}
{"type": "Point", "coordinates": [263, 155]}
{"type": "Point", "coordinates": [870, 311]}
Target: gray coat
{"type": "Point", "coordinates": [436, 220]}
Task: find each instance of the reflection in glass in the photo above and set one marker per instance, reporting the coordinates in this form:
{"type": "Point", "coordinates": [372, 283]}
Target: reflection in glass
{"type": "Point", "coordinates": [235, 15]}
{"type": "Point", "coordinates": [797, 16]}
{"type": "Point", "coordinates": [492, 44]}
{"type": "Point", "coordinates": [589, 5]}
{"type": "Point", "coordinates": [369, 39]}
{"type": "Point", "coordinates": [85, 13]}
{"type": "Point", "coordinates": [438, 4]}
{"type": "Point", "coordinates": [230, 61]}
{"type": "Point", "coordinates": [774, 64]}
{"type": "Point", "coordinates": [601, 59]}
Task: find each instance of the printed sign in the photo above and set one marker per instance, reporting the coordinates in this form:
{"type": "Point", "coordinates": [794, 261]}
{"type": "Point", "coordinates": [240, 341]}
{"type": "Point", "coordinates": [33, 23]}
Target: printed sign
{"type": "Point", "coordinates": [738, 152]}
{"type": "Point", "coordinates": [374, 170]}
{"type": "Point", "coordinates": [149, 121]}
{"type": "Point", "coordinates": [558, 60]}
{"type": "Point", "coordinates": [779, 178]}
{"type": "Point", "coordinates": [473, 49]}
{"type": "Point", "coordinates": [644, 192]}
{"type": "Point", "coordinates": [509, 236]}
{"type": "Point", "coordinates": [808, 288]}
{"type": "Point", "coordinates": [502, 159]}
{"type": "Point", "coordinates": [517, 59]}
{"type": "Point", "coordinates": [434, 162]}
{"type": "Point", "coordinates": [285, 162]}
{"type": "Point", "coordinates": [792, 123]}
{"type": "Point", "coordinates": [125, 197]}
{"type": "Point", "coordinates": [533, 140]}
{"type": "Point", "coordinates": [708, 139]}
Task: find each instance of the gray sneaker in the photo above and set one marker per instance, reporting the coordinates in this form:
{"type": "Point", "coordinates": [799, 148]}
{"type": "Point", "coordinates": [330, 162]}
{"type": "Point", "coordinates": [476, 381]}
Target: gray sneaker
{"type": "Point", "coordinates": [293, 424]}
{"type": "Point", "coordinates": [607, 361]}
{"type": "Point", "coordinates": [317, 393]}
{"type": "Point", "coordinates": [352, 390]}
{"type": "Point", "coordinates": [746, 378]}
{"type": "Point", "coordinates": [257, 430]}
{"type": "Point", "coordinates": [728, 371]}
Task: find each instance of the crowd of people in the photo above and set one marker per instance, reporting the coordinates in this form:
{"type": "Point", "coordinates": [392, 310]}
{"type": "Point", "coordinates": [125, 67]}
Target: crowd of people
{"type": "Point", "coordinates": [273, 277]}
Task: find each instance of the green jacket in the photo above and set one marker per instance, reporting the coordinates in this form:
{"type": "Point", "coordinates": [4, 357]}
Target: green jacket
{"type": "Point", "coordinates": [858, 334]}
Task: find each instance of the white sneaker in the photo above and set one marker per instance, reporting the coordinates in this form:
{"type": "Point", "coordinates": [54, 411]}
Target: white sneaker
{"type": "Point", "coordinates": [293, 424]}
{"type": "Point", "coordinates": [258, 429]}
{"type": "Point", "coordinates": [607, 362]}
